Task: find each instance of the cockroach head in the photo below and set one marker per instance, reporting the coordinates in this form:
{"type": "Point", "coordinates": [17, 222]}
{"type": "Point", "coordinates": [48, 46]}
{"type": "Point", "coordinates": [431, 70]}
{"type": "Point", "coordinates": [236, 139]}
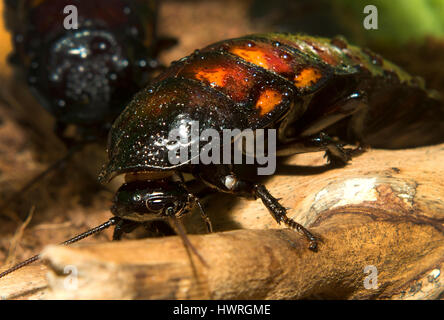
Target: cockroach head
{"type": "Point", "coordinates": [149, 200]}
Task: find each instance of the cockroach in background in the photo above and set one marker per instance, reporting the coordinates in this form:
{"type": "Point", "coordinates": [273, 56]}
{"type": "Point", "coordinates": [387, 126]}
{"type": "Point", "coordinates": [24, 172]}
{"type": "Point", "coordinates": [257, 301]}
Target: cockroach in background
{"type": "Point", "coordinates": [319, 94]}
{"type": "Point", "coordinates": [83, 76]}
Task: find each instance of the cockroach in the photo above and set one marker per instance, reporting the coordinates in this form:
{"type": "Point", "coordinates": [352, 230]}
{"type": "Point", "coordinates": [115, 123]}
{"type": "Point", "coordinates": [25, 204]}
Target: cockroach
{"type": "Point", "coordinates": [84, 76]}
{"type": "Point", "coordinates": [319, 94]}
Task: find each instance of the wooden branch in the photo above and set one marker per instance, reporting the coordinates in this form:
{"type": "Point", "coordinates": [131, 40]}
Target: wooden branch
{"type": "Point", "coordinates": [385, 210]}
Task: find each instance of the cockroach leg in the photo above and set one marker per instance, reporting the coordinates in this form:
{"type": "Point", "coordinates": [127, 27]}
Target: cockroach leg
{"type": "Point", "coordinates": [224, 180]}
{"type": "Point", "coordinates": [204, 216]}
{"type": "Point", "coordinates": [279, 213]}
{"type": "Point", "coordinates": [334, 150]}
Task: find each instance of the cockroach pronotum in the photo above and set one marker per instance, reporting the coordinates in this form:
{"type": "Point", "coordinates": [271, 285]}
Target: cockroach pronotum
{"type": "Point", "coordinates": [83, 76]}
{"type": "Point", "coordinates": [319, 94]}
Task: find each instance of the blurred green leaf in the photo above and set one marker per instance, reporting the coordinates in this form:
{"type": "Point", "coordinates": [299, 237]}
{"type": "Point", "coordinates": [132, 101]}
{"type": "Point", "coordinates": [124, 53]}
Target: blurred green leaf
{"type": "Point", "coordinates": [399, 21]}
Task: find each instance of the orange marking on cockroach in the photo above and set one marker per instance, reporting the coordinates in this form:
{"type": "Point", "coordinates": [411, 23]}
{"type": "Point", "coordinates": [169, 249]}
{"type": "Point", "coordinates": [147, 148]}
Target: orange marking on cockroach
{"type": "Point", "coordinates": [267, 58]}
{"type": "Point", "coordinates": [215, 77]}
{"type": "Point", "coordinates": [255, 56]}
{"type": "Point", "coordinates": [307, 77]}
{"type": "Point", "coordinates": [268, 100]}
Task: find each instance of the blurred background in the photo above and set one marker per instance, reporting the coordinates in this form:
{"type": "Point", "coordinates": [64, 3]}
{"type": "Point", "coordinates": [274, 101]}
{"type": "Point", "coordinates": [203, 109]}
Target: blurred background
{"type": "Point", "coordinates": [410, 33]}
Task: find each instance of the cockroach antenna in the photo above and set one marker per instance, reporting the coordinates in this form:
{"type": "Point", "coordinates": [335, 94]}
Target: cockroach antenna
{"type": "Point", "coordinates": [178, 227]}
{"type": "Point", "coordinates": [100, 228]}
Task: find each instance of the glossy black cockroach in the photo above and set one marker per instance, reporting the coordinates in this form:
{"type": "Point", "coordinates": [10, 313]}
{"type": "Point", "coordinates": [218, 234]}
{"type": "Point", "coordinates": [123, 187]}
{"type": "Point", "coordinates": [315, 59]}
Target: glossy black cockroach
{"type": "Point", "coordinates": [309, 89]}
{"type": "Point", "coordinates": [83, 76]}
